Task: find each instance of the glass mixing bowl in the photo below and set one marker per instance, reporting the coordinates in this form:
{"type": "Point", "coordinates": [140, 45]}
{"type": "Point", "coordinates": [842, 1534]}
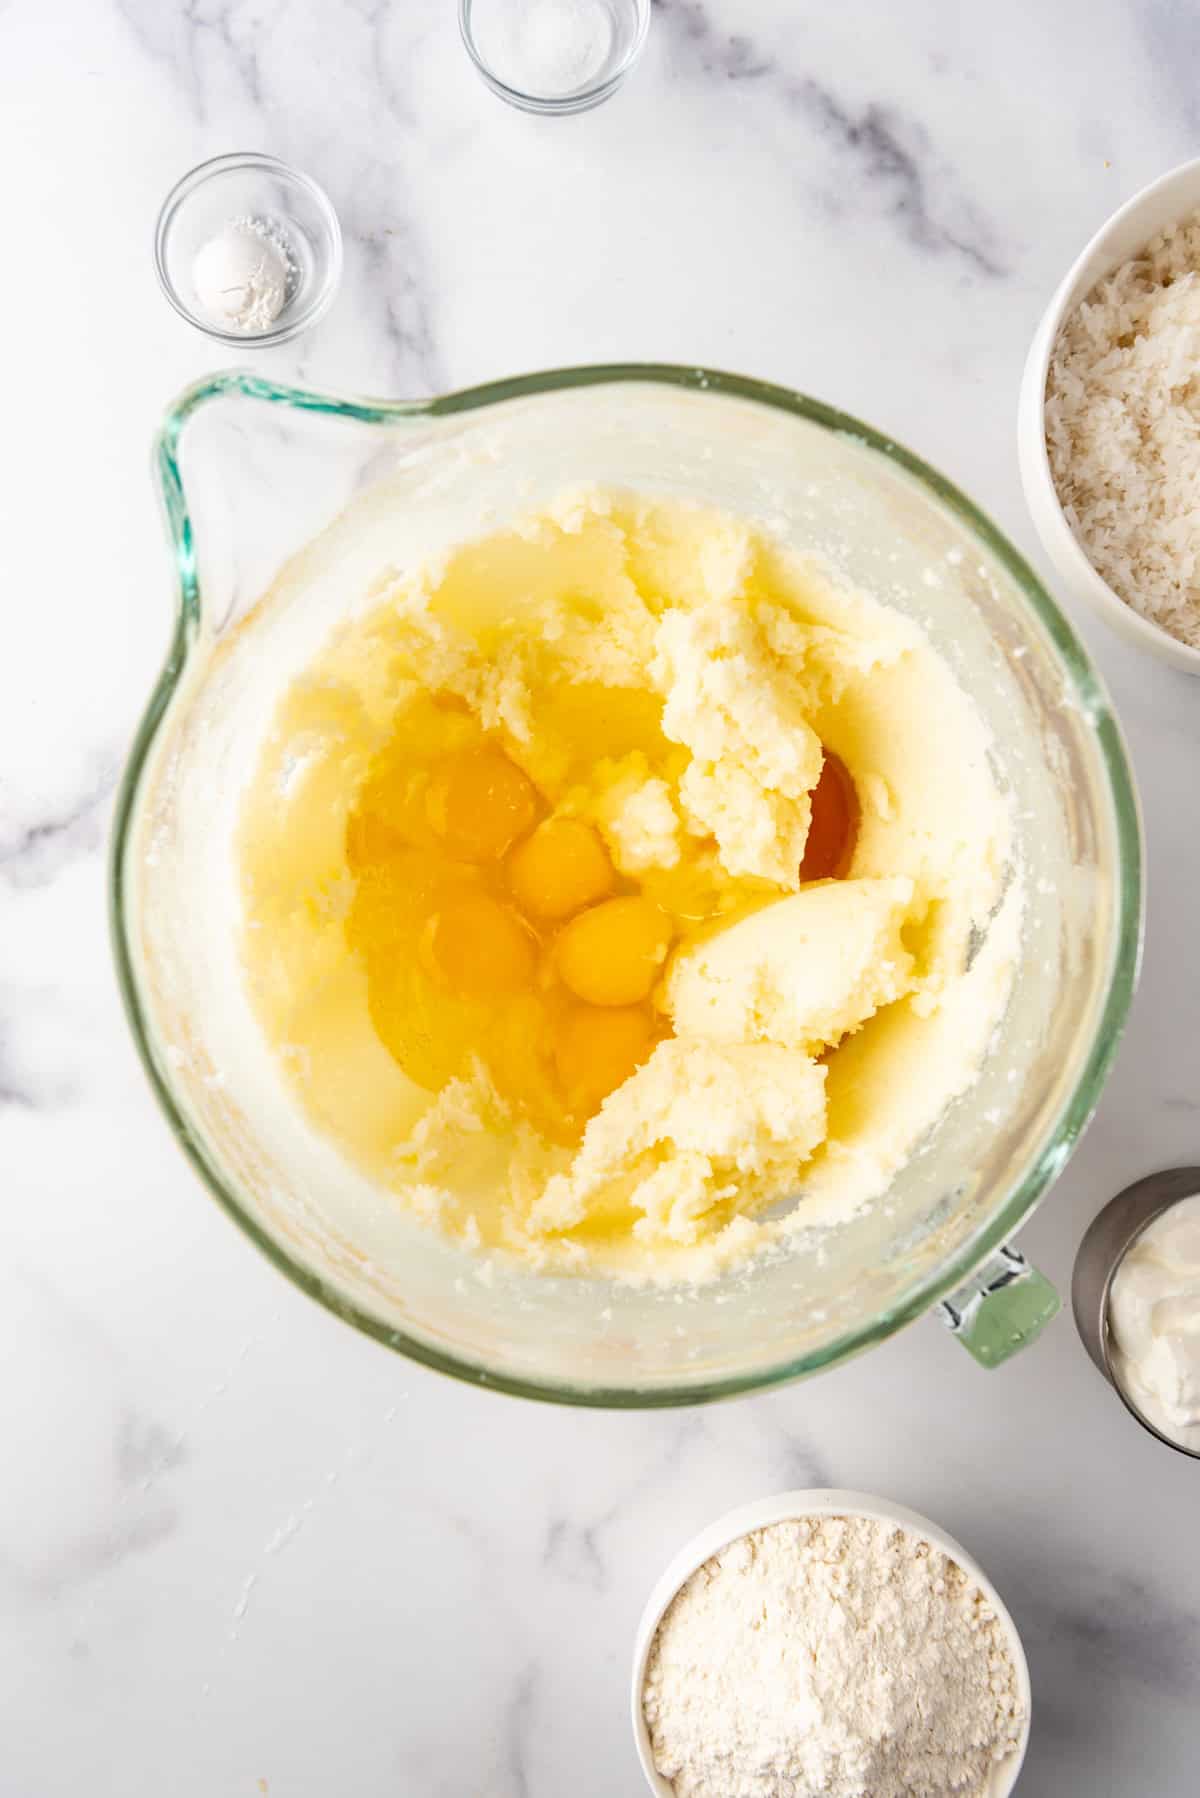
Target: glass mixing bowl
{"type": "Point", "coordinates": [289, 505]}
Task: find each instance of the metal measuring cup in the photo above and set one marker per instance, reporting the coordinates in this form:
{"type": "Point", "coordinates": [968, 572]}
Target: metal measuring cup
{"type": "Point", "coordinates": [1111, 1234]}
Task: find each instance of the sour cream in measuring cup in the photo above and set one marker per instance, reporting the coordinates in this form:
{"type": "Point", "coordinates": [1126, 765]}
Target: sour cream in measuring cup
{"type": "Point", "coordinates": [1154, 1323]}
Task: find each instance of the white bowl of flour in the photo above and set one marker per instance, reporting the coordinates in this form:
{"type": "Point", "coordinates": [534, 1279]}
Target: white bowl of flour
{"type": "Point", "coordinates": [824, 1644]}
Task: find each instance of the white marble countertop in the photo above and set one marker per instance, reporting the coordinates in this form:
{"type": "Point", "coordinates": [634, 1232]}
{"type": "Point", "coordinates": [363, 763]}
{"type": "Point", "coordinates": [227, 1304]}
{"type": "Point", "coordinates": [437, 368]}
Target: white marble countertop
{"type": "Point", "coordinates": [242, 1550]}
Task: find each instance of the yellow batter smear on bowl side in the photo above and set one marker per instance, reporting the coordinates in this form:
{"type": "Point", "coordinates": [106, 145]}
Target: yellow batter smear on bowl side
{"type": "Point", "coordinates": [524, 914]}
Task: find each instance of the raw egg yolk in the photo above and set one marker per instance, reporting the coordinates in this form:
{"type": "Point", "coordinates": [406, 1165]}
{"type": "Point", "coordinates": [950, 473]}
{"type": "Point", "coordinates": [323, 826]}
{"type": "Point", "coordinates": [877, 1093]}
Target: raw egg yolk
{"type": "Point", "coordinates": [370, 840]}
{"type": "Point", "coordinates": [388, 817]}
{"type": "Point", "coordinates": [833, 831]}
{"type": "Point", "coordinates": [480, 948]}
{"type": "Point", "coordinates": [480, 803]}
{"type": "Point", "coordinates": [613, 954]}
{"type": "Point", "coordinates": [561, 868]}
{"type": "Point", "coordinates": [597, 1049]}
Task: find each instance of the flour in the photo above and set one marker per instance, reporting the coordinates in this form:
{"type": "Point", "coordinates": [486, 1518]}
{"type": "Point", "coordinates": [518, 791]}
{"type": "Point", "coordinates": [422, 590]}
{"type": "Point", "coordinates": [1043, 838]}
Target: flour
{"type": "Point", "coordinates": [242, 275]}
{"type": "Point", "coordinates": [831, 1657]}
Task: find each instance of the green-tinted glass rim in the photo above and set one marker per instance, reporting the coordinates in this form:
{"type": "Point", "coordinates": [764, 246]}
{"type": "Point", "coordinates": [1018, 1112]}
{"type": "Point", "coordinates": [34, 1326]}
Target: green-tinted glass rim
{"type": "Point", "coordinates": [1088, 686]}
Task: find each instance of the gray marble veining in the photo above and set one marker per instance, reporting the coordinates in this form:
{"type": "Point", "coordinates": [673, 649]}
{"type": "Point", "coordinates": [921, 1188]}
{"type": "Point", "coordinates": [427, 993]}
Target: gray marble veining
{"type": "Point", "coordinates": [876, 147]}
{"type": "Point", "coordinates": [36, 844]}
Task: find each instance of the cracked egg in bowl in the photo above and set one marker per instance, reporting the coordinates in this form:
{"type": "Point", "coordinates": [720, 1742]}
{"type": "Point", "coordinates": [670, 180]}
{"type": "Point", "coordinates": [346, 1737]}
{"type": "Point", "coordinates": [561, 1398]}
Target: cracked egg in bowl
{"type": "Point", "coordinates": [638, 904]}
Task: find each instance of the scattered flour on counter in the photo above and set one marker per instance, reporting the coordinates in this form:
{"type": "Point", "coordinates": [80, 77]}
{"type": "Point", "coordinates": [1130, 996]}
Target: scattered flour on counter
{"type": "Point", "coordinates": [831, 1657]}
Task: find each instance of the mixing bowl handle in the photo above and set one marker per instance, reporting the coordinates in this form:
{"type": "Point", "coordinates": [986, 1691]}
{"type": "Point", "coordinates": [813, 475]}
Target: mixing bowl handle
{"type": "Point", "coordinates": [1004, 1305]}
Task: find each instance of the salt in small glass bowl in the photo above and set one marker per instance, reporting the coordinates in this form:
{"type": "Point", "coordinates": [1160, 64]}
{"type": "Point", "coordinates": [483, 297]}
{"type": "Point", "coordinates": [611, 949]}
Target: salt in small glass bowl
{"type": "Point", "coordinates": [248, 185]}
{"type": "Point", "coordinates": [554, 56]}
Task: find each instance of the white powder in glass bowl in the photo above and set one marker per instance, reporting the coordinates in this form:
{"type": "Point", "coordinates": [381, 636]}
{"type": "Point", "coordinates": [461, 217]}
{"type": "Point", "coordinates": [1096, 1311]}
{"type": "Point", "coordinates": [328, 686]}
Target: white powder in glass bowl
{"type": "Point", "coordinates": [831, 1657]}
{"type": "Point", "coordinates": [547, 48]}
{"type": "Point", "coordinates": [243, 274]}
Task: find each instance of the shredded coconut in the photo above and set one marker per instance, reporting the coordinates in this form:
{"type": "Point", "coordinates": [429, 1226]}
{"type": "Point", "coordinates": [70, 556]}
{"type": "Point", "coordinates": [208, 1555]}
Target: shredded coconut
{"type": "Point", "coordinates": [831, 1657]}
{"type": "Point", "coordinates": [1123, 429]}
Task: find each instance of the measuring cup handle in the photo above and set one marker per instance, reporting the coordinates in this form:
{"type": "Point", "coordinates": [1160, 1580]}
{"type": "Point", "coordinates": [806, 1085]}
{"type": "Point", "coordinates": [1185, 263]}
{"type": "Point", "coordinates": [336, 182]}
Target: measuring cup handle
{"type": "Point", "coordinates": [1003, 1306]}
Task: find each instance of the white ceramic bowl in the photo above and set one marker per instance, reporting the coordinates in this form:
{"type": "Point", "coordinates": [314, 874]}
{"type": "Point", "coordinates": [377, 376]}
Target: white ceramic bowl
{"type": "Point", "coordinates": [821, 1501]}
{"type": "Point", "coordinates": [1165, 201]}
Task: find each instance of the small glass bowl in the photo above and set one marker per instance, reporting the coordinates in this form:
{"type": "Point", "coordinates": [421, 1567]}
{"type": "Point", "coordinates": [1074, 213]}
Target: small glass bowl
{"type": "Point", "coordinates": [540, 58]}
{"type": "Point", "coordinates": [251, 186]}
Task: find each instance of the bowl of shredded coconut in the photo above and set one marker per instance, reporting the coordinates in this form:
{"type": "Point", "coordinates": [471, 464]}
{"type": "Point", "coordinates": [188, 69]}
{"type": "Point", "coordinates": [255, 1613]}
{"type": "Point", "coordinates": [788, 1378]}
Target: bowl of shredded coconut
{"type": "Point", "coordinates": [1109, 423]}
{"type": "Point", "coordinates": [828, 1644]}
